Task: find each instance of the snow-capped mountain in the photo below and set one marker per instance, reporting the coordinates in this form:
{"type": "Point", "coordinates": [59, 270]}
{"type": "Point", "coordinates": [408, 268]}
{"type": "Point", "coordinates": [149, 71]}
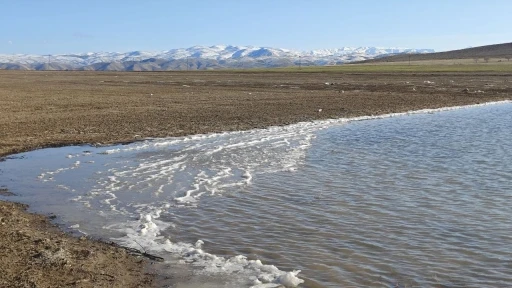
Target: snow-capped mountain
{"type": "Point", "coordinates": [197, 57]}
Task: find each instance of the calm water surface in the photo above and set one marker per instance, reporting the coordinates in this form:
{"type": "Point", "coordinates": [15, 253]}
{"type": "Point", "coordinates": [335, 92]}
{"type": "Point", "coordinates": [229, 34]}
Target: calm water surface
{"type": "Point", "coordinates": [411, 201]}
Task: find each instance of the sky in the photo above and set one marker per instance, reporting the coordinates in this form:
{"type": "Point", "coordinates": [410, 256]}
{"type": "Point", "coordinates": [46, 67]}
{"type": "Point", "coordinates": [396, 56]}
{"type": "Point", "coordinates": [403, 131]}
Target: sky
{"type": "Point", "coordinates": [78, 26]}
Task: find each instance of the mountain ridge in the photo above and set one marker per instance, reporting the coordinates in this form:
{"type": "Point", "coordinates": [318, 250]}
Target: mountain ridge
{"type": "Point", "coordinates": [503, 50]}
{"type": "Point", "coordinates": [197, 57]}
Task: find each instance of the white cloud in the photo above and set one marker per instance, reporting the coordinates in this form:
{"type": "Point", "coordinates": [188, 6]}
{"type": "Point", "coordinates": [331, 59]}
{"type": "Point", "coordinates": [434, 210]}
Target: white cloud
{"type": "Point", "coordinates": [9, 42]}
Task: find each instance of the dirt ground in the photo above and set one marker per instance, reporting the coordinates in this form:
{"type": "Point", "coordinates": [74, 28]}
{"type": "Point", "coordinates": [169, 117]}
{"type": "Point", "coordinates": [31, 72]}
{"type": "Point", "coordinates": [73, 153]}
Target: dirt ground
{"type": "Point", "coordinates": [42, 109]}
{"type": "Point", "coordinates": [35, 253]}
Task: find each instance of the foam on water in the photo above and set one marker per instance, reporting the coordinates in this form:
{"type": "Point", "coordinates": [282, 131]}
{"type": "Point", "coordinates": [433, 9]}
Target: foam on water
{"type": "Point", "coordinates": [157, 176]}
{"type": "Point", "coordinates": [147, 233]}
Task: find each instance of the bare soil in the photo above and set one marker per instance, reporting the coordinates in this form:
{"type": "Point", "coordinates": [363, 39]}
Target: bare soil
{"type": "Point", "coordinates": [41, 109]}
{"type": "Point", "coordinates": [35, 253]}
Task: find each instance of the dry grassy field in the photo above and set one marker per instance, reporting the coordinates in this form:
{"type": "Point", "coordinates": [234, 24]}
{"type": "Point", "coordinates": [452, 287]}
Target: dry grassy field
{"type": "Point", "coordinates": [483, 63]}
{"type": "Point", "coordinates": [494, 65]}
{"type": "Point", "coordinates": [43, 108]}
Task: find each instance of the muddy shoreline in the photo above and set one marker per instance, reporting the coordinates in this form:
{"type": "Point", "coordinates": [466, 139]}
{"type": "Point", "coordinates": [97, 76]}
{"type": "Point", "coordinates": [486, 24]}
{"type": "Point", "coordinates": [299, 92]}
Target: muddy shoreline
{"type": "Point", "coordinates": [49, 109]}
{"type": "Point", "coordinates": [36, 253]}
{"type": "Point", "coordinates": [53, 109]}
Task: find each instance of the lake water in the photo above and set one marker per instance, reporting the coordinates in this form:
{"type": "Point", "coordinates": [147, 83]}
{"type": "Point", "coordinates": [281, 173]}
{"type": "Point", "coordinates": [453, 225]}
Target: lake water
{"type": "Point", "coordinates": [405, 200]}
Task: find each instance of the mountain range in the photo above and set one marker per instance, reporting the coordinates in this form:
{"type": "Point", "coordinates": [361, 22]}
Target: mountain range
{"type": "Point", "coordinates": [197, 57]}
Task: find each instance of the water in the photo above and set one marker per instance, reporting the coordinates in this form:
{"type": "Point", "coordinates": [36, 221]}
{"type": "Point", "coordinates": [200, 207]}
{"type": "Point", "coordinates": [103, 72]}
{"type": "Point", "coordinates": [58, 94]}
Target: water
{"type": "Point", "coordinates": [416, 200]}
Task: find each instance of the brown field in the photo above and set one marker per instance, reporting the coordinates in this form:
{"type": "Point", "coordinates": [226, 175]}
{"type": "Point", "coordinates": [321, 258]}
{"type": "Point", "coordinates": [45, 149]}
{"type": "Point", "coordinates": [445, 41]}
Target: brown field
{"type": "Point", "coordinates": [36, 254]}
{"type": "Point", "coordinates": [41, 109]}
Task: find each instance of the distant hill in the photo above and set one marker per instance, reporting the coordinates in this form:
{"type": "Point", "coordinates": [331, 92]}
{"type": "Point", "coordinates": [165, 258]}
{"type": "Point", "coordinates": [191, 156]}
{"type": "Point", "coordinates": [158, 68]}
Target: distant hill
{"type": "Point", "coordinates": [492, 51]}
{"type": "Point", "coordinates": [196, 58]}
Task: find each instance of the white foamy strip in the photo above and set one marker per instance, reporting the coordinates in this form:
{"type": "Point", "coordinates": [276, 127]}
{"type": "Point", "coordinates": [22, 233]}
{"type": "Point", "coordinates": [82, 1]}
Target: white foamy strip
{"type": "Point", "coordinates": [161, 142]}
{"type": "Point", "coordinates": [213, 163]}
{"type": "Point", "coordinates": [257, 151]}
{"type": "Point", "coordinates": [146, 233]}
{"type": "Point", "coordinates": [276, 137]}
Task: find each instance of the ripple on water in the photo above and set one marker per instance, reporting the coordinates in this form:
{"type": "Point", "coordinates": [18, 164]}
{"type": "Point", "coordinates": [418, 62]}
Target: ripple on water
{"type": "Point", "coordinates": [411, 201]}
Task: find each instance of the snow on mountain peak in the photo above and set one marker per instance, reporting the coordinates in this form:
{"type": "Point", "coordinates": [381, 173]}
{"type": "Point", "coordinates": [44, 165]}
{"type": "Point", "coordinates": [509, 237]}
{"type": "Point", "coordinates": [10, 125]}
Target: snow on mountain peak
{"type": "Point", "coordinates": [227, 54]}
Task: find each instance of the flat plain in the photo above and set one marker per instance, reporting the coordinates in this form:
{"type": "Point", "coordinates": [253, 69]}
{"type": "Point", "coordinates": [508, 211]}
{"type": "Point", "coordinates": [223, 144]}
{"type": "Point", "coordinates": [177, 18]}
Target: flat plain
{"type": "Point", "coordinates": [55, 108]}
{"type": "Point", "coordinates": [45, 108]}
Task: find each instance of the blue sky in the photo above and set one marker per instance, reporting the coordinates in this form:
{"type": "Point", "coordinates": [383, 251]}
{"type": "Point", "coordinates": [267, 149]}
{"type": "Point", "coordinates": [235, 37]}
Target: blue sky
{"type": "Point", "coordinates": [73, 26]}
